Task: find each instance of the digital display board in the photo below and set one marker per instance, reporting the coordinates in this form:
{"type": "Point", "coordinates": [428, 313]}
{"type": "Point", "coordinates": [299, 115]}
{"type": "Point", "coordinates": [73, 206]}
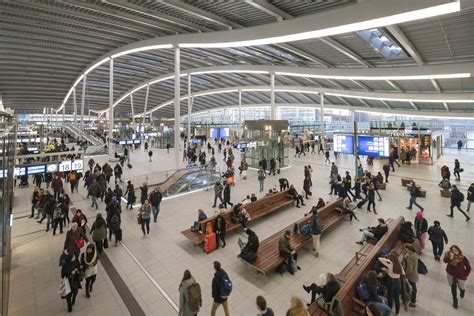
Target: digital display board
{"type": "Point", "coordinates": [36, 169]}
{"type": "Point", "coordinates": [224, 132]}
{"type": "Point", "coordinates": [65, 166]}
{"type": "Point", "coordinates": [376, 146]}
{"type": "Point", "coordinates": [20, 171]}
{"type": "Point", "coordinates": [77, 164]}
{"type": "Point", "coordinates": [344, 144]}
{"type": "Point", "coordinates": [122, 142]}
{"type": "Point", "coordinates": [137, 141]}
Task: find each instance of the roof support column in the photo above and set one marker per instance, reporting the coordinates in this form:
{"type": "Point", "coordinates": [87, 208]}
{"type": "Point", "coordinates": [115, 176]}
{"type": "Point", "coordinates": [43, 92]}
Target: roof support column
{"type": "Point", "coordinates": [146, 104]}
{"type": "Point", "coordinates": [190, 107]}
{"type": "Point", "coordinates": [64, 114]}
{"type": "Point", "coordinates": [83, 100]}
{"type": "Point", "coordinates": [75, 105]}
{"type": "Point", "coordinates": [133, 112]}
{"type": "Point", "coordinates": [111, 106]}
{"type": "Point", "coordinates": [272, 97]}
{"type": "Point", "coordinates": [177, 103]}
{"type": "Point", "coordinates": [321, 116]}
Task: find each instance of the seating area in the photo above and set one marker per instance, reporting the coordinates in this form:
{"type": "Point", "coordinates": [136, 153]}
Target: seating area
{"type": "Point", "coordinates": [258, 209]}
{"type": "Point", "coordinates": [268, 258]}
{"type": "Point", "coordinates": [362, 262]}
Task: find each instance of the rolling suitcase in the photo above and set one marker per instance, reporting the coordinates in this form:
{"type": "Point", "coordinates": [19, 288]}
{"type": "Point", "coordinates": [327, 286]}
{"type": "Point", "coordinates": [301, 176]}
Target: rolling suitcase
{"type": "Point", "coordinates": [361, 203]}
{"type": "Point", "coordinates": [210, 243]}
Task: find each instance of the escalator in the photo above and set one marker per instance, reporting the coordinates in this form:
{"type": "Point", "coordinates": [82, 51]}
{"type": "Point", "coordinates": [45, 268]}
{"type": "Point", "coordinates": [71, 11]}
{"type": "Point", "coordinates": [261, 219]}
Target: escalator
{"type": "Point", "coordinates": [81, 134]}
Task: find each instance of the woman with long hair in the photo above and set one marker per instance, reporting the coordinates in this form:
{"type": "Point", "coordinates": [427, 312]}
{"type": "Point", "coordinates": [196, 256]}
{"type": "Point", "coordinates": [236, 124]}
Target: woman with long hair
{"type": "Point", "coordinates": [185, 306]}
{"type": "Point", "coordinates": [458, 269]}
{"type": "Point", "coordinates": [297, 308]}
{"type": "Point", "coordinates": [379, 301]}
{"type": "Point", "coordinates": [394, 270]}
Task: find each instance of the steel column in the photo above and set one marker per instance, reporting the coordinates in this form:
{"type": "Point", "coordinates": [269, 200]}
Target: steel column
{"type": "Point", "coordinates": [272, 97]}
{"type": "Point", "coordinates": [322, 114]}
{"type": "Point", "coordinates": [189, 107]}
{"type": "Point", "coordinates": [146, 104]}
{"type": "Point", "coordinates": [111, 106]}
{"type": "Point", "coordinates": [83, 98]}
{"type": "Point", "coordinates": [177, 103]}
{"type": "Point", "coordinates": [240, 112]}
{"type": "Point", "coordinates": [133, 112]}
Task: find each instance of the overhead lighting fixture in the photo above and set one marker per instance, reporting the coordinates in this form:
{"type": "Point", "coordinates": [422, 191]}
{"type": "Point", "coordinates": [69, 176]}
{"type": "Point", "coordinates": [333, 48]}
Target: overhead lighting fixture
{"type": "Point", "coordinates": [352, 27]}
{"type": "Point", "coordinates": [229, 71]}
{"type": "Point", "coordinates": [416, 77]}
{"type": "Point", "coordinates": [399, 99]}
{"type": "Point", "coordinates": [141, 49]}
{"type": "Point", "coordinates": [96, 65]}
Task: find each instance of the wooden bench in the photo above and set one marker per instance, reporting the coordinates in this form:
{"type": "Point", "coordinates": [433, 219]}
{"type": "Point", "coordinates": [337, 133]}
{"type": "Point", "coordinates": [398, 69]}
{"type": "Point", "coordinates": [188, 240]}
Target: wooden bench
{"type": "Point", "coordinates": [445, 193]}
{"type": "Point", "coordinates": [350, 276]}
{"type": "Point", "coordinates": [268, 256]}
{"type": "Point", "coordinates": [406, 181]}
{"type": "Point", "coordinates": [382, 186]}
{"type": "Point", "coordinates": [257, 209]}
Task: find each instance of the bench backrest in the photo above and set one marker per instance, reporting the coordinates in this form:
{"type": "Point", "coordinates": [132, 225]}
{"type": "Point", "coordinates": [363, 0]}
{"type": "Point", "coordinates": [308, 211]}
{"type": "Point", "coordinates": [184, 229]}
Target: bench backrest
{"type": "Point", "coordinates": [348, 289]}
{"type": "Point", "coordinates": [251, 208]}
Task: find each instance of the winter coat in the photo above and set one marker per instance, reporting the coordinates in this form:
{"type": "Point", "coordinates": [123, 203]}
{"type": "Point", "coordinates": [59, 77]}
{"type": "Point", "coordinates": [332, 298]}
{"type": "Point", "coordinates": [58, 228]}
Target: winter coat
{"type": "Point", "coordinates": [155, 198]}
{"type": "Point", "coordinates": [94, 189]}
{"type": "Point", "coordinates": [183, 298]}
{"type": "Point", "coordinates": [89, 263]}
{"type": "Point", "coordinates": [411, 268]}
{"type": "Point", "coordinates": [437, 234]}
{"type": "Point", "coordinates": [315, 224]}
{"type": "Point", "coordinates": [227, 193]}
{"type": "Point", "coordinates": [421, 226]}
{"type": "Point", "coordinates": [216, 286]}
{"type": "Point", "coordinates": [220, 225]}
{"type": "Point", "coordinates": [329, 290]}
{"type": "Point", "coordinates": [145, 212]}
{"type": "Point", "coordinates": [455, 197]}
{"type": "Point", "coordinates": [72, 237]}
{"type": "Point", "coordinates": [218, 188]}
{"type": "Point", "coordinates": [284, 245]}
{"type": "Point", "coordinates": [470, 194]}
{"type": "Point", "coordinates": [99, 230]}
{"type": "Point", "coordinates": [459, 270]}
{"type": "Point", "coordinates": [57, 184]}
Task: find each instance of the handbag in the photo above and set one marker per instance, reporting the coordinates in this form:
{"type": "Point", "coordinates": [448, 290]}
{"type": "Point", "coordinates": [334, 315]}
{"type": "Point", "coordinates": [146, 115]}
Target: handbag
{"type": "Point", "coordinates": [79, 244]}
{"type": "Point", "coordinates": [422, 269]}
{"type": "Point", "coordinates": [139, 219]}
{"type": "Point", "coordinates": [106, 243]}
{"type": "Point", "coordinates": [64, 287]}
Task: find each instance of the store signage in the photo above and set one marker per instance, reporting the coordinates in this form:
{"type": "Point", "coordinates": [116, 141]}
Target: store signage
{"type": "Point", "coordinates": [344, 144]}
{"type": "Point", "coordinates": [376, 146]}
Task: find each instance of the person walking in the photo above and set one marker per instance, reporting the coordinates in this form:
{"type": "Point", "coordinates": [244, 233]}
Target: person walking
{"type": "Point", "coordinates": [297, 308]}
{"type": "Point", "coordinates": [470, 196]}
{"type": "Point", "coordinates": [371, 198]}
{"type": "Point", "coordinates": [38, 179]}
{"type": "Point", "coordinates": [57, 186]}
{"type": "Point", "coordinates": [57, 219]}
{"type": "Point", "coordinates": [99, 233]}
{"type": "Point", "coordinates": [421, 229]}
{"type": "Point", "coordinates": [218, 188]}
{"type": "Point", "coordinates": [227, 195]}
{"type": "Point", "coordinates": [458, 270]}
{"type": "Point", "coordinates": [220, 228]}
{"type": "Point", "coordinates": [72, 177]}
{"type": "Point", "coordinates": [150, 154]}
{"type": "Point", "coordinates": [262, 308]}
{"type": "Point", "coordinates": [143, 192]}
{"type": "Point", "coordinates": [89, 265]}
{"type": "Point", "coordinates": [145, 215]}
{"type": "Point", "coordinates": [190, 300]}
{"type": "Point", "coordinates": [457, 170]}
{"type": "Point", "coordinates": [118, 173]}
{"type": "Point", "coordinates": [34, 200]}
{"type": "Point", "coordinates": [414, 193]}
{"type": "Point", "coordinates": [155, 201]}
{"type": "Point", "coordinates": [70, 270]}
{"type": "Point", "coordinates": [316, 228]}
{"type": "Point", "coordinates": [326, 155]}
{"type": "Point", "coordinates": [386, 171]}
{"type": "Point", "coordinates": [261, 178]}
{"type": "Point", "coordinates": [94, 193]}
{"type": "Point", "coordinates": [456, 198]}
{"type": "Point", "coordinates": [220, 283]}
{"type": "Point", "coordinates": [438, 238]}
{"type": "Point", "coordinates": [411, 271]}
{"type": "Point", "coordinates": [459, 144]}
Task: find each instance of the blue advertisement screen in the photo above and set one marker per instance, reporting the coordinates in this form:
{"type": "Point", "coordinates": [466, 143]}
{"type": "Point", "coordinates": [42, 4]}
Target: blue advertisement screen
{"type": "Point", "coordinates": [344, 144]}
{"type": "Point", "coordinates": [376, 146]}
{"type": "Point", "coordinates": [214, 132]}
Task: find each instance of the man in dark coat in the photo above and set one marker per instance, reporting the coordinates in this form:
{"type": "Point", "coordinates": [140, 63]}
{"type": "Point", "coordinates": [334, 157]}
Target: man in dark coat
{"type": "Point", "coordinates": [456, 199]}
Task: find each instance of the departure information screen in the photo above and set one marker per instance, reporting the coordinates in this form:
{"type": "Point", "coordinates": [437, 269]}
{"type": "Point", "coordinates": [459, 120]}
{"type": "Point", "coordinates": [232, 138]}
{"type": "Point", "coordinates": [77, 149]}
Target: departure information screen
{"type": "Point", "coordinates": [344, 144]}
{"type": "Point", "coordinates": [376, 146]}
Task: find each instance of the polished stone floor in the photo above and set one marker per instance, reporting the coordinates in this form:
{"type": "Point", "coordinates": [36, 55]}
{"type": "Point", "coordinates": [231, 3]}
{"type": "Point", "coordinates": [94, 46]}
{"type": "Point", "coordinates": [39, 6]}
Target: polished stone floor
{"type": "Point", "coordinates": [162, 258]}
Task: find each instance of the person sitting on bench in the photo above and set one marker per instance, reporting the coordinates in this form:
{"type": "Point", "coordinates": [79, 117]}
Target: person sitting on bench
{"type": "Point", "coordinates": [296, 196]}
{"type": "Point", "coordinates": [240, 215]}
{"type": "Point", "coordinates": [347, 208]}
{"type": "Point", "coordinates": [247, 200]}
{"type": "Point", "coordinates": [253, 198]}
{"type": "Point", "coordinates": [284, 184]}
{"type": "Point", "coordinates": [320, 204]}
{"type": "Point", "coordinates": [248, 251]}
{"type": "Point", "coordinates": [286, 251]}
{"type": "Point", "coordinates": [201, 217]}
{"type": "Point", "coordinates": [326, 290]}
{"type": "Point", "coordinates": [373, 232]}
{"type": "Point", "coordinates": [406, 233]}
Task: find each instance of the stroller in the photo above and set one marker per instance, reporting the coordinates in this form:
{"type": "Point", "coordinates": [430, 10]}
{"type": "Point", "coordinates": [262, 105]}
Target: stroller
{"type": "Point", "coordinates": [23, 182]}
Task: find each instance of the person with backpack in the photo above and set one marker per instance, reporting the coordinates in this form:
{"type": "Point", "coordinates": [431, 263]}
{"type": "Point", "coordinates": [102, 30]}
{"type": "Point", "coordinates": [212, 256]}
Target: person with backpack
{"type": "Point", "coordinates": [327, 290]}
{"type": "Point", "coordinates": [150, 153]}
{"type": "Point", "coordinates": [410, 265]}
{"type": "Point", "coordinates": [414, 193]}
{"type": "Point", "coordinates": [316, 229]}
{"type": "Point", "coordinates": [458, 270]}
{"type": "Point", "coordinates": [456, 198]}
{"type": "Point", "coordinates": [72, 177]}
{"type": "Point", "coordinates": [457, 170]}
{"type": "Point", "coordinates": [438, 239]}
{"type": "Point", "coordinates": [221, 289]}
{"type": "Point", "coordinates": [262, 309]}
{"type": "Point", "coordinates": [421, 228]}
{"type": "Point", "coordinates": [190, 299]}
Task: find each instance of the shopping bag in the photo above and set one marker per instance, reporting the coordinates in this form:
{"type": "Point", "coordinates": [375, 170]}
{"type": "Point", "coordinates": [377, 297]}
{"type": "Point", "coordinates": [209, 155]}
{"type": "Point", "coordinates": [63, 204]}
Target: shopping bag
{"type": "Point", "coordinates": [64, 287]}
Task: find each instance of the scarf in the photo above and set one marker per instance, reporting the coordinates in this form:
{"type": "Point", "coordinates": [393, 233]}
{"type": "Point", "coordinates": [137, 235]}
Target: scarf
{"type": "Point", "coordinates": [89, 258]}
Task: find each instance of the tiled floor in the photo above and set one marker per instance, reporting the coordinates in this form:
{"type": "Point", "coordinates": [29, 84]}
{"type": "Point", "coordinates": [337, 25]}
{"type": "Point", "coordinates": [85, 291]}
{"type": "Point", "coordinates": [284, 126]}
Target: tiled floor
{"type": "Point", "coordinates": [167, 253]}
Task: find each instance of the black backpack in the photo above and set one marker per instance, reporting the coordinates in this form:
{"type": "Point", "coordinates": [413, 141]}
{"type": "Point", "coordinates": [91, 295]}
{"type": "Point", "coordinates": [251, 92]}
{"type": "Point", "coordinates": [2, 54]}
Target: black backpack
{"type": "Point", "coordinates": [281, 268]}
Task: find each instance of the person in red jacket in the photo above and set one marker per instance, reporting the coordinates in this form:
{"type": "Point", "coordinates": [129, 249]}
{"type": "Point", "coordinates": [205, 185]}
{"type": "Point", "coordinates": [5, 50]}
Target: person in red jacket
{"type": "Point", "coordinates": [458, 270]}
{"type": "Point", "coordinates": [57, 186]}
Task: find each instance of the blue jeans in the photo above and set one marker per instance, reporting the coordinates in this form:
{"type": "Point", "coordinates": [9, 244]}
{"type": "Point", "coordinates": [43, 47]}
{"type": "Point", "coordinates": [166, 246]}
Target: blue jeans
{"type": "Point", "coordinates": [261, 184]}
{"type": "Point", "coordinates": [156, 211]}
{"type": "Point", "coordinates": [94, 201]}
{"type": "Point", "coordinates": [386, 311]}
{"type": "Point", "coordinates": [413, 201]}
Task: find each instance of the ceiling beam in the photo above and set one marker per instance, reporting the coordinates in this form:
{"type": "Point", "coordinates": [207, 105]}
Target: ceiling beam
{"type": "Point", "coordinates": [400, 37]}
{"type": "Point", "coordinates": [301, 53]}
{"type": "Point", "coordinates": [414, 105]}
{"type": "Point", "coordinates": [270, 9]}
{"type": "Point", "coordinates": [395, 86]}
{"type": "Point", "coordinates": [436, 85]}
{"type": "Point", "coordinates": [446, 106]}
{"type": "Point", "coordinates": [344, 50]}
{"type": "Point", "coordinates": [201, 13]}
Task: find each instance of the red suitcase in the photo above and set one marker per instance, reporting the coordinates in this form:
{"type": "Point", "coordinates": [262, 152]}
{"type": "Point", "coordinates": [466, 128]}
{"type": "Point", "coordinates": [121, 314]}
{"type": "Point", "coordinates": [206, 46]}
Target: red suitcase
{"type": "Point", "coordinates": [210, 243]}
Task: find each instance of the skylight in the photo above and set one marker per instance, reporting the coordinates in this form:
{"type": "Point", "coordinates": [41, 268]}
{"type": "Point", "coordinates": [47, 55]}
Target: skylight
{"type": "Point", "coordinates": [382, 44]}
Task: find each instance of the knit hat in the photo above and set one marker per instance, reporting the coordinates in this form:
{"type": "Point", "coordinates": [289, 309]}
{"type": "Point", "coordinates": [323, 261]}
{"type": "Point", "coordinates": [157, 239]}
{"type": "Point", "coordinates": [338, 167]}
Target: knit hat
{"type": "Point", "coordinates": [419, 214]}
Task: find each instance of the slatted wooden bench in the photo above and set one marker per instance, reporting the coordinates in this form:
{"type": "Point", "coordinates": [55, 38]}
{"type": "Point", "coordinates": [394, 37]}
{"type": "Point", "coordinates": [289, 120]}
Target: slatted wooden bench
{"type": "Point", "coordinates": [350, 276]}
{"type": "Point", "coordinates": [268, 257]}
{"type": "Point", "coordinates": [257, 209]}
{"type": "Point", "coordinates": [406, 181]}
